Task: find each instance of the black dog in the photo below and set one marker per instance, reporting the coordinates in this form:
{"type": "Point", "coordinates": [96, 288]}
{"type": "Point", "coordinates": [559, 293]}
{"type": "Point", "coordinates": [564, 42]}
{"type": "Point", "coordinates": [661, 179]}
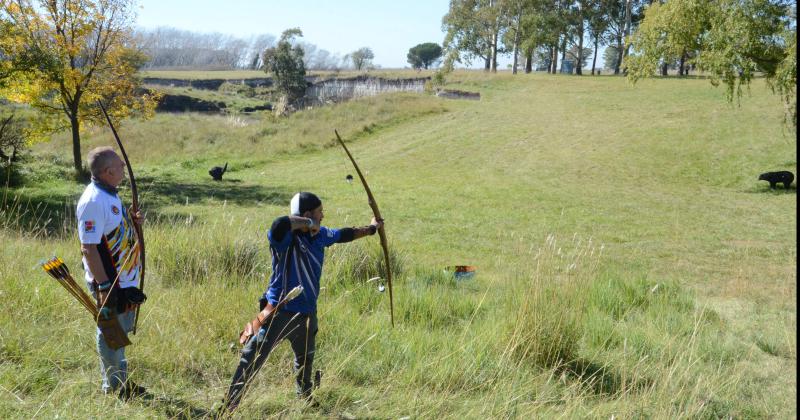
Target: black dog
{"type": "Point", "coordinates": [774, 178]}
{"type": "Point", "coordinates": [217, 172]}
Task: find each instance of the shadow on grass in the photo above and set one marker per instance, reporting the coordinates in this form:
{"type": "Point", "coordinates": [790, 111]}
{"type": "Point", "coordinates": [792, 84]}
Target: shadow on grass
{"type": "Point", "coordinates": [36, 215]}
{"type": "Point", "coordinates": [45, 213]}
{"type": "Point", "coordinates": [602, 380]}
{"type": "Point", "coordinates": [778, 190]}
{"type": "Point", "coordinates": [175, 408]}
{"type": "Point", "coordinates": [163, 191]}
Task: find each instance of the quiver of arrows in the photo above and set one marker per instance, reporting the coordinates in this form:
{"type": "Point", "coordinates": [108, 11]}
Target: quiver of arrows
{"type": "Point", "coordinates": [113, 334]}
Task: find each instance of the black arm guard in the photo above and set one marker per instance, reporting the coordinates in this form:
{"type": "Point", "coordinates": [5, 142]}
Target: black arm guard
{"type": "Point", "coordinates": [280, 227]}
{"type": "Point", "coordinates": [346, 235]}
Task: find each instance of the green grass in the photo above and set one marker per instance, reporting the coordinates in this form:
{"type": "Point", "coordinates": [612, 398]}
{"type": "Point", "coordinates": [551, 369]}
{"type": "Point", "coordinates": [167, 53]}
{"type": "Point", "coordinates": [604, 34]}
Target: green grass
{"type": "Point", "coordinates": [629, 262]}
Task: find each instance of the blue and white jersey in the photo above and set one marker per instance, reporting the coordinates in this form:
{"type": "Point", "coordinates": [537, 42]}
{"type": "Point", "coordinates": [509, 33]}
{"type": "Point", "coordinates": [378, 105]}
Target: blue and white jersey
{"type": "Point", "coordinates": [297, 261]}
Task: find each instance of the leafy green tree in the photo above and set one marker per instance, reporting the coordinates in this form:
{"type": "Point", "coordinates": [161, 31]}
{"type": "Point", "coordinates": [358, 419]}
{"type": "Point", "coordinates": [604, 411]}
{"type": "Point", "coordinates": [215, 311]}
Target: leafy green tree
{"type": "Point", "coordinates": [734, 41]}
{"type": "Point", "coordinates": [424, 55]}
{"type": "Point", "coordinates": [578, 57]}
{"type": "Point", "coordinates": [473, 30]}
{"type": "Point", "coordinates": [285, 63]}
{"type": "Point", "coordinates": [361, 58]}
{"type": "Point", "coordinates": [516, 32]}
{"type": "Point", "coordinates": [669, 33]}
{"type": "Point", "coordinates": [66, 55]}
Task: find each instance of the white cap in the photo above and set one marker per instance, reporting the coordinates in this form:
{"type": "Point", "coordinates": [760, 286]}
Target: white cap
{"type": "Point", "coordinates": [303, 202]}
{"type": "Point", "coordinates": [294, 205]}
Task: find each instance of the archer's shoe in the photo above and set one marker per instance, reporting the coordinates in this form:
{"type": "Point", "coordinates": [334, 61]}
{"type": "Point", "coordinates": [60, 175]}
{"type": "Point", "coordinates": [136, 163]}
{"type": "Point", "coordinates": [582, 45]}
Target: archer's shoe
{"type": "Point", "coordinates": [131, 390]}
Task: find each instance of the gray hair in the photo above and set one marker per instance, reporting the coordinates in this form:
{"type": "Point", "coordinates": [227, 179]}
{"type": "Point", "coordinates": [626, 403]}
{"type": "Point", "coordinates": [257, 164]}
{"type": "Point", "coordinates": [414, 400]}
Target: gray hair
{"type": "Point", "coordinates": [99, 158]}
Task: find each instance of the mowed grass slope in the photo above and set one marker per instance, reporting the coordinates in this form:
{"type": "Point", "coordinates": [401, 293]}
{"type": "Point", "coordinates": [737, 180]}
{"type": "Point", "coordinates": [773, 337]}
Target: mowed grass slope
{"type": "Point", "coordinates": [629, 262]}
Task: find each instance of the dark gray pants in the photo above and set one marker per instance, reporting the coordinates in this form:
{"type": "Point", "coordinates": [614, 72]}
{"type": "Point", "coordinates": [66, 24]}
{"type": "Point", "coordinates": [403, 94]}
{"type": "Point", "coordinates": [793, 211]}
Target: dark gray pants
{"type": "Point", "coordinates": [300, 330]}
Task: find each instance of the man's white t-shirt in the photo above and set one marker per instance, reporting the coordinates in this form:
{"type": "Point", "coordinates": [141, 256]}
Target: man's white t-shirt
{"type": "Point", "coordinates": [104, 222]}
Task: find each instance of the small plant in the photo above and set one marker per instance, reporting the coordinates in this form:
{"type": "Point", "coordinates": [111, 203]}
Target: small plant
{"type": "Point", "coordinates": [438, 78]}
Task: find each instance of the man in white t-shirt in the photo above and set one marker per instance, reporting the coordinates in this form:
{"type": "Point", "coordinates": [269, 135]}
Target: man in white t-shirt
{"type": "Point", "coordinates": [111, 259]}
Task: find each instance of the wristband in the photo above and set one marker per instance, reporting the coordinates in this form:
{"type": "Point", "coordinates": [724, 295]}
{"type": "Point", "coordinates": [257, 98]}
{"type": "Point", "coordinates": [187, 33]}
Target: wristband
{"type": "Point", "coordinates": [104, 286]}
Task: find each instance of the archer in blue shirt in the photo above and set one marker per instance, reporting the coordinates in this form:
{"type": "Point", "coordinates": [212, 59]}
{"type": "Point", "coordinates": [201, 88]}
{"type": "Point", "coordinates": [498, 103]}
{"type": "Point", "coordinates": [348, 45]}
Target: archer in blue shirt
{"type": "Point", "coordinates": [297, 243]}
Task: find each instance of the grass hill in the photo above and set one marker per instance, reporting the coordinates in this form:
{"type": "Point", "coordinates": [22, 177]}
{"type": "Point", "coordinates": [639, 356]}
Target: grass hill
{"type": "Point", "coordinates": [629, 262]}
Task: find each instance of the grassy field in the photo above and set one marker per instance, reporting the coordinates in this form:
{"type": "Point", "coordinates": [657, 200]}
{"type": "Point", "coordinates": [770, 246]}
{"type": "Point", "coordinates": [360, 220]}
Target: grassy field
{"type": "Point", "coordinates": [629, 262]}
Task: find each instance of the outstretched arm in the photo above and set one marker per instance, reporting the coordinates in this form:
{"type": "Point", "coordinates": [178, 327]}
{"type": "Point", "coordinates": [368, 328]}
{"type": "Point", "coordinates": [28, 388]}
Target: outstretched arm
{"type": "Point", "coordinates": [351, 234]}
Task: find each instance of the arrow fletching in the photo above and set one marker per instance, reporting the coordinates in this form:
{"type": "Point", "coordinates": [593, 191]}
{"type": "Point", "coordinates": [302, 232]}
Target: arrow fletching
{"type": "Point", "coordinates": [294, 293]}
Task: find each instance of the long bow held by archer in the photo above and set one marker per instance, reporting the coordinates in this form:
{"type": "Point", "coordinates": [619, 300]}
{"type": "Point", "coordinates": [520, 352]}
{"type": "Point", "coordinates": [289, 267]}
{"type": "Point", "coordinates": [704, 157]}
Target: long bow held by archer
{"type": "Point", "coordinates": [377, 213]}
{"type": "Point", "coordinates": [134, 207]}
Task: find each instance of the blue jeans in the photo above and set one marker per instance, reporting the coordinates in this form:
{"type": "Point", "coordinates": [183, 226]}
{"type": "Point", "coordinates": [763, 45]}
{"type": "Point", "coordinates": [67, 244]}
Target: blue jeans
{"type": "Point", "coordinates": [113, 364]}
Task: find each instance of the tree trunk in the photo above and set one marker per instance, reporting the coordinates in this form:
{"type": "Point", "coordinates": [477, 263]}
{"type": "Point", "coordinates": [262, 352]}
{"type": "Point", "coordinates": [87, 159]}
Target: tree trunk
{"type": "Point", "coordinates": [516, 46]}
{"type": "Point", "coordinates": [486, 64]}
{"type": "Point", "coordinates": [627, 33]}
{"type": "Point", "coordinates": [579, 64]}
{"type": "Point", "coordinates": [563, 49]}
{"type": "Point", "coordinates": [619, 54]}
{"type": "Point", "coordinates": [495, 36]}
{"type": "Point", "coordinates": [683, 62]}
{"type": "Point", "coordinates": [76, 142]}
{"type": "Point", "coordinates": [529, 60]}
{"type": "Point", "coordinates": [594, 60]}
{"type": "Point", "coordinates": [554, 59]}
{"type": "Point", "coordinates": [494, 52]}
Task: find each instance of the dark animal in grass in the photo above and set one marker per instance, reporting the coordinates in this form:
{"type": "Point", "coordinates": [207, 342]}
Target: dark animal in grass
{"type": "Point", "coordinates": [216, 172]}
{"type": "Point", "coordinates": [774, 178]}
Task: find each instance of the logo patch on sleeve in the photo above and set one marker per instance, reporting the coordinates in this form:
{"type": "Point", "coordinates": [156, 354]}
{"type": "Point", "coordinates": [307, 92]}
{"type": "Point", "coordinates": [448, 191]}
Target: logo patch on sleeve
{"type": "Point", "coordinates": [115, 210]}
{"type": "Point", "coordinates": [330, 234]}
{"type": "Point", "coordinates": [88, 226]}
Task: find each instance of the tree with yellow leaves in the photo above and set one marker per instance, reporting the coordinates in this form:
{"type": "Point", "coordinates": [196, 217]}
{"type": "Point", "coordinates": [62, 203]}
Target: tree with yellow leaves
{"type": "Point", "coordinates": [67, 54]}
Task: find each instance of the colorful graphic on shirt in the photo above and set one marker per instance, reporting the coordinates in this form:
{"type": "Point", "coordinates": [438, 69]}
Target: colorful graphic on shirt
{"type": "Point", "coordinates": [88, 226]}
{"type": "Point", "coordinates": [115, 210]}
{"type": "Point", "coordinates": [124, 249]}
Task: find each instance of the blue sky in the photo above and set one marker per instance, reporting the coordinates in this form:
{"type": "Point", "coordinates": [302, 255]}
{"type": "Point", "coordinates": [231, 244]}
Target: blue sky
{"type": "Point", "coordinates": [390, 28]}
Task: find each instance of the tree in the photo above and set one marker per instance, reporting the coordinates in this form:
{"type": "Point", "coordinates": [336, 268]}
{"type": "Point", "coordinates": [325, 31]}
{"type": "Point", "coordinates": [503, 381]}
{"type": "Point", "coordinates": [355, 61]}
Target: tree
{"type": "Point", "coordinates": [12, 139]}
{"type": "Point", "coordinates": [552, 21]}
{"type": "Point", "coordinates": [734, 40]}
{"type": "Point", "coordinates": [623, 16]}
{"type": "Point", "coordinates": [258, 44]}
{"type": "Point", "coordinates": [597, 20]}
{"type": "Point", "coordinates": [514, 12]}
{"type": "Point", "coordinates": [72, 54]}
{"type": "Point", "coordinates": [473, 30]}
{"type": "Point", "coordinates": [285, 63]}
{"type": "Point", "coordinates": [611, 57]}
{"type": "Point", "coordinates": [578, 57]}
{"type": "Point", "coordinates": [423, 55]}
{"type": "Point", "coordinates": [361, 58]}
{"type": "Point", "coordinates": [8, 34]}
